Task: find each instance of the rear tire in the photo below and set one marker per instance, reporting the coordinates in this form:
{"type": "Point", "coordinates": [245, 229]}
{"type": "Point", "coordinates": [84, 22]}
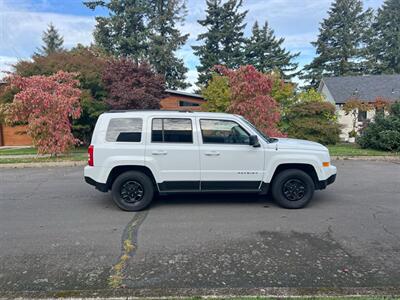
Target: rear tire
{"type": "Point", "coordinates": [292, 189]}
{"type": "Point", "coordinates": [132, 191]}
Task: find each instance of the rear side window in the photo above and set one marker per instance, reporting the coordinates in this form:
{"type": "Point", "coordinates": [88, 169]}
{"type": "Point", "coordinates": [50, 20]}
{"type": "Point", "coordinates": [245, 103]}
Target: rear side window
{"type": "Point", "coordinates": [124, 130]}
{"type": "Point", "coordinates": [172, 130]}
{"type": "Point", "coordinates": [223, 132]}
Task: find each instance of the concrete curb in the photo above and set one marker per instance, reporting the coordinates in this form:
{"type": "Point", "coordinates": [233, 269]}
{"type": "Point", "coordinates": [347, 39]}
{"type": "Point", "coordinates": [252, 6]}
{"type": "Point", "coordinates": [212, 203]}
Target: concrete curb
{"type": "Point", "coordinates": [44, 164]}
{"type": "Point", "coordinates": [368, 158]}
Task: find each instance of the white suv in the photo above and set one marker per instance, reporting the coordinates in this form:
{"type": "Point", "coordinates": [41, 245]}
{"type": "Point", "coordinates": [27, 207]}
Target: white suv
{"type": "Point", "coordinates": [137, 154]}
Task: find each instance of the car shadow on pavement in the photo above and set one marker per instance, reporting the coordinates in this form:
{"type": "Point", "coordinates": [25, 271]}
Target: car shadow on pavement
{"type": "Point", "coordinates": [211, 198]}
{"type": "Point", "coordinates": [319, 200]}
{"type": "Point", "coordinates": [104, 200]}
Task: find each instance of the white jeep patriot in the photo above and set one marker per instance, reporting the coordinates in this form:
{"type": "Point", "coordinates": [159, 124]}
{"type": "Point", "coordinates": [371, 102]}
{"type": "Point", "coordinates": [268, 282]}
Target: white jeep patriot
{"type": "Point", "coordinates": [137, 154]}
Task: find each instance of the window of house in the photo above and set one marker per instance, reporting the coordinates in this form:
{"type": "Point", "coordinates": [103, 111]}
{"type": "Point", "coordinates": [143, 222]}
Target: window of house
{"type": "Point", "coordinates": [187, 103]}
{"type": "Point", "coordinates": [223, 132]}
{"type": "Point", "coordinates": [124, 130]}
{"type": "Point", "coordinates": [172, 130]}
{"type": "Point", "coordinates": [380, 111]}
{"type": "Point", "coordinates": [362, 116]}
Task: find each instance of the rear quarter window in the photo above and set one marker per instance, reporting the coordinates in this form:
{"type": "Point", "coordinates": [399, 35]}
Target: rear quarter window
{"type": "Point", "coordinates": [124, 130]}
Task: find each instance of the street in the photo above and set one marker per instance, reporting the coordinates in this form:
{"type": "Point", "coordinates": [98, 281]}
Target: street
{"type": "Point", "coordinates": [58, 234]}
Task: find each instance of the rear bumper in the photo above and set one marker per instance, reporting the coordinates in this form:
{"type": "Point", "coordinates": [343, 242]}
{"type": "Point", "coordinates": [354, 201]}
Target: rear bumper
{"type": "Point", "coordinates": [322, 184]}
{"type": "Point", "coordinates": [99, 186]}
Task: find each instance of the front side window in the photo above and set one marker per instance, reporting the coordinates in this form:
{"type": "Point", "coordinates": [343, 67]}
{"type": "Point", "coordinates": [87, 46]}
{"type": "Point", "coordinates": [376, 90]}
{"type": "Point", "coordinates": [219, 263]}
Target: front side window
{"type": "Point", "coordinates": [223, 132]}
{"type": "Point", "coordinates": [172, 130]}
{"type": "Point", "coordinates": [124, 130]}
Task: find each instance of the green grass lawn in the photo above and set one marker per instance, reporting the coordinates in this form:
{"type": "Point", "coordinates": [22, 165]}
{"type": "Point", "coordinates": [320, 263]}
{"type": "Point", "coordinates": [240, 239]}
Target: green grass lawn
{"type": "Point", "coordinates": [33, 151]}
{"type": "Point", "coordinates": [16, 160]}
{"type": "Point", "coordinates": [355, 150]}
{"type": "Point", "coordinates": [10, 156]}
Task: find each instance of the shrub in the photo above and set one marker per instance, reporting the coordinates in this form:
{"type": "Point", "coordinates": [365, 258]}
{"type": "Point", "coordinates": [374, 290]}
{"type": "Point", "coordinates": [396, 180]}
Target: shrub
{"type": "Point", "coordinates": [132, 85]}
{"type": "Point", "coordinates": [315, 121]}
{"type": "Point", "coordinates": [251, 97]}
{"type": "Point", "coordinates": [88, 63]}
{"type": "Point", "coordinates": [217, 93]}
{"type": "Point", "coordinates": [384, 132]}
{"type": "Point", "coordinates": [46, 104]}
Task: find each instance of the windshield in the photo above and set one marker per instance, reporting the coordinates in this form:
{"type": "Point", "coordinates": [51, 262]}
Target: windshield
{"type": "Point", "coordinates": [263, 135]}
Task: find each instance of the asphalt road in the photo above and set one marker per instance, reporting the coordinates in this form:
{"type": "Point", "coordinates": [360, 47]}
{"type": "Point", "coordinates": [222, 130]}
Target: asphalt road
{"type": "Point", "coordinates": [59, 234]}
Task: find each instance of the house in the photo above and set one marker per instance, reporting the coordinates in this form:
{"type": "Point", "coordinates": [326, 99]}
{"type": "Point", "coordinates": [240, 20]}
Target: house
{"type": "Point", "coordinates": [175, 100]}
{"type": "Point", "coordinates": [368, 88]}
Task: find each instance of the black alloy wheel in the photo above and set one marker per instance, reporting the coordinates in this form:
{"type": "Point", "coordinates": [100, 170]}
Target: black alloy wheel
{"type": "Point", "coordinates": [294, 189]}
{"type": "Point", "coordinates": [132, 191]}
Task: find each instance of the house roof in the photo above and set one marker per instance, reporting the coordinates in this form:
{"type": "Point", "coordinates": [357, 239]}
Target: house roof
{"type": "Point", "coordinates": [181, 93]}
{"type": "Point", "coordinates": [365, 88]}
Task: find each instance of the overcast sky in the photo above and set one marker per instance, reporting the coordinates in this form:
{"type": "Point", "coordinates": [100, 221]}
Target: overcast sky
{"type": "Point", "coordinates": [23, 21]}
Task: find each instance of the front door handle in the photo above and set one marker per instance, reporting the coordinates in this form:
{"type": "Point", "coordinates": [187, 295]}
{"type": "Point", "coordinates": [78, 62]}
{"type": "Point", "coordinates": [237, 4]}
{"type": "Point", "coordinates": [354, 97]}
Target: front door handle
{"type": "Point", "coordinates": [212, 153]}
{"type": "Point", "coordinates": [159, 152]}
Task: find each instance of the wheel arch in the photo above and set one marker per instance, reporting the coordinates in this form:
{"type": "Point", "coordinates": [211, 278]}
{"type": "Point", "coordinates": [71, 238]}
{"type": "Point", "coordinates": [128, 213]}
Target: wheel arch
{"type": "Point", "coordinates": [307, 168]}
{"type": "Point", "coordinates": [118, 170]}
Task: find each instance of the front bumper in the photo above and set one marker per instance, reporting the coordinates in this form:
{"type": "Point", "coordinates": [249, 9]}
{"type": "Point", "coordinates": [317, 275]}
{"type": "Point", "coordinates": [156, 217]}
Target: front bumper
{"type": "Point", "coordinates": [322, 184]}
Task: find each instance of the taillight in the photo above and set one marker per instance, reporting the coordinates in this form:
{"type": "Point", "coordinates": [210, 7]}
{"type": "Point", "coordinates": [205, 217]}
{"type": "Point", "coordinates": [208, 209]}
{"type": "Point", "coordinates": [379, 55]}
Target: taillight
{"type": "Point", "coordinates": [90, 156]}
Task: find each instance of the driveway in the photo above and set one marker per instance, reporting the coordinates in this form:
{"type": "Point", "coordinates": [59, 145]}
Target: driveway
{"type": "Point", "coordinates": [59, 234]}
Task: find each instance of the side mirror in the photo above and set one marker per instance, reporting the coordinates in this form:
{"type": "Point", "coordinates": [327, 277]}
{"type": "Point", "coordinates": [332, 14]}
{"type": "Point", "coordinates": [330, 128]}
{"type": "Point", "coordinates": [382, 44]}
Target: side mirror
{"type": "Point", "coordinates": [253, 141]}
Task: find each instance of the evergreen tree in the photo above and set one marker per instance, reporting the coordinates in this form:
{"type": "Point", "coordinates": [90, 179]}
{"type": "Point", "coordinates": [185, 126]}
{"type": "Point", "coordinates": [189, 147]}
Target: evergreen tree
{"type": "Point", "coordinates": [165, 39]}
{"type": "Point", "coordinates": [53, 41]}
{"type": "Point", "coordinates": [123, 32]}
{"type": "Point", "coordinates": [223, 41]}
{"type": "Point", "coordinates": [144, 30]}
{"type": "Point", "coordinates": [264, 51]}
{"type": "Point", "coordinates": [341, 43]}
{"type": "Point", "coordinates": [385, 46]}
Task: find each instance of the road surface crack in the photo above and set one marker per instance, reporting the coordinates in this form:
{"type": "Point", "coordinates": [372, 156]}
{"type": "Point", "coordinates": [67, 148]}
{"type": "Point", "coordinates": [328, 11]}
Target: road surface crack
{"type": "Point", "coordinates": [128, 249]}
{"type": "Point", "coordinates": [385, 229]}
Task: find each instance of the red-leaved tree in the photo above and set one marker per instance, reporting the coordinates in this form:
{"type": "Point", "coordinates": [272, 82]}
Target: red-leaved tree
{"type": "Point", "coordinates": [251, 98]}
{"type": "Point", "coordinates": [47, 104]}
{"type": "Point", "coordinates": [130, 85]}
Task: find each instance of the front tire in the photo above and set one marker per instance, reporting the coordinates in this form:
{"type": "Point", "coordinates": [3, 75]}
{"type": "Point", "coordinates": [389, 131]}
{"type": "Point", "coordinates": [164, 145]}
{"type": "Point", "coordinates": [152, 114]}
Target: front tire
{"type": "Point", "coordinates": [292, 189]}
{"type": "Point", "coordinates": [132, 191]}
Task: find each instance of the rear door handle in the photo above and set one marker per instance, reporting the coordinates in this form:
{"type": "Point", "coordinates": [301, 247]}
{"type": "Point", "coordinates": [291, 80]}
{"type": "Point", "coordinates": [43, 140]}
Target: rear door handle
{"type": "Point", "coordinates": [212, 153]}
{"type": "Point", "coordinates": [159, 152]}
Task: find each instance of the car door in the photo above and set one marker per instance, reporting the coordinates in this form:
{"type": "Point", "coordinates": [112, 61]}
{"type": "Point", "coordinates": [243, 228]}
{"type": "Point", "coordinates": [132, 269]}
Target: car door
{"type": "Point", "coordinates": [227, 161]}
{"type": "Point", "coordinates": [172, 150]}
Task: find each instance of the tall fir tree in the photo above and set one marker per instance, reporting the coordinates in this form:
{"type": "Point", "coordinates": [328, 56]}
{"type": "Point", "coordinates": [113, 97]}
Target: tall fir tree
{"type": "Point", "coordinates": [341, 43]}
{"type": "Point", "coordinates": [144, 30]}
{"type": "Point", "coordinates": [385, 42]}
{"type": "Point", "coordinates": [265, 52]}
{"type": "Point", "coordinates": [53, 41]}
{"type": "Point", "coordinates": [165, 39]}
{"type": "Point", "coordinates": [123, 33]}
{"type": "Point", "coordinates": [222, 43]}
